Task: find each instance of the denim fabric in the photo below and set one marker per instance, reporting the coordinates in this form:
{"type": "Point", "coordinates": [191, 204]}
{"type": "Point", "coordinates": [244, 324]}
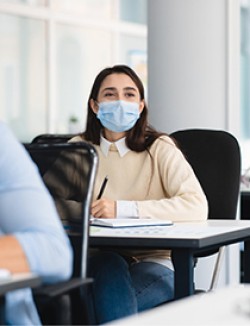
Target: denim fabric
{"type": "Point", "coordinates": [123, 288]}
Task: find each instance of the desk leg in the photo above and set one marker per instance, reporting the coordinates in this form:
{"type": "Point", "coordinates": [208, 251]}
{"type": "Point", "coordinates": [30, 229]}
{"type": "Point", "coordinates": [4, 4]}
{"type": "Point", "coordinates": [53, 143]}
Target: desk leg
{"type": "Point", "coordinates": [246, 261]}
{"type": "Point", "coordinates": [184, 272]}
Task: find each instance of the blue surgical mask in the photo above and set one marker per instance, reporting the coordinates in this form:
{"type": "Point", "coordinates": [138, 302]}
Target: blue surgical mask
{"type": "Point", "coordinates": [118, 116]}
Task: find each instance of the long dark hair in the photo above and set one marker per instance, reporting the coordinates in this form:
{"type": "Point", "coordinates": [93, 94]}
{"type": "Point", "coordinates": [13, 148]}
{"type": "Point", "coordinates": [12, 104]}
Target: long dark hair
{"type": "Point", "coordinates": [138, 138]}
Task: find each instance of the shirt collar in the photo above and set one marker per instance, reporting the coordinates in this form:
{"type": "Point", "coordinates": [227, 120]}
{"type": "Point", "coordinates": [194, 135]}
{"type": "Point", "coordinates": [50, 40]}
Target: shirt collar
{"type": "Point", "coordinates": [120, 145]}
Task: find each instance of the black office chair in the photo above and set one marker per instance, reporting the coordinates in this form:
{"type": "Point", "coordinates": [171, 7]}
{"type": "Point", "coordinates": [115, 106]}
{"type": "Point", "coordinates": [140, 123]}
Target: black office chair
{"type": "Point", "coordinates": [215, 158]}
{"type": "Point", "coordinates": [68, 170]}
{"type": "Point", "coordinates": [52, 138]}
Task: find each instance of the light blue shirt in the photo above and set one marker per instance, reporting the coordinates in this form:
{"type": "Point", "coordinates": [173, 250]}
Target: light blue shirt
{"type": "Point", "coordinates": [27, 211]}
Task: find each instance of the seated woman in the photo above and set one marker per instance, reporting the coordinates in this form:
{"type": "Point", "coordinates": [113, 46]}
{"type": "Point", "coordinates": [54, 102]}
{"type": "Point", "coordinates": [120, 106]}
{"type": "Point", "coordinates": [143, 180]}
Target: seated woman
{"type": "Point", "coordinates": [148, 176]}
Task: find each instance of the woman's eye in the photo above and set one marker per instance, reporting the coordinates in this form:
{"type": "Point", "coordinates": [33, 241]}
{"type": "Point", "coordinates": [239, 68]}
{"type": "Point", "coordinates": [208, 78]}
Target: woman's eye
{"type": "Point", "coordinates": [130, 95]}
{"type": "Point", "coordinates": [108, 94]}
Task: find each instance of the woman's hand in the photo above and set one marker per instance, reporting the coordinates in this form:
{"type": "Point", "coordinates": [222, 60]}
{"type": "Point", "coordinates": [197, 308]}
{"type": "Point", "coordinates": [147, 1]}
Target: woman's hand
{"type": "Point", "coordinates": [103, 208]}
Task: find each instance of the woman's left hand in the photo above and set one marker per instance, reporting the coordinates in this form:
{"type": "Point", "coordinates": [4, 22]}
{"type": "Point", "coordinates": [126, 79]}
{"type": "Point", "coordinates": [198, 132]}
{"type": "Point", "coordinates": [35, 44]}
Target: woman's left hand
{"type": "Point", "coordinates": [103, 208]}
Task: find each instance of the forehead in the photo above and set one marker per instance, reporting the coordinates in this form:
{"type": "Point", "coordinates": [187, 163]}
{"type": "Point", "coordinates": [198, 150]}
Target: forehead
{"type": "Point", "coordinates": [118, 81]}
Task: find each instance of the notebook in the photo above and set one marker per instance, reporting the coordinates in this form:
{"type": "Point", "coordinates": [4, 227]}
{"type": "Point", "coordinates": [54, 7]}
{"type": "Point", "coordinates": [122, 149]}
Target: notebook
{"type": "Point", "coordinates": [128, 222]}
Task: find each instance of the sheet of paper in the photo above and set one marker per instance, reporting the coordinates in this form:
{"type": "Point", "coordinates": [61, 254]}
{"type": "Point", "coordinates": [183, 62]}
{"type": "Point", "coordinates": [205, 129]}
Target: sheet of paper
{"type": "Point", "coordinates": [128, 222]}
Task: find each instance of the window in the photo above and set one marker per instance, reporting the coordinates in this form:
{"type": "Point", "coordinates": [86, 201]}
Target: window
{"type": "Point", "coordinates": [245, 83]}
{"type": "Point", "coordinates": [23, 74]}
{"type": "Point", "coordinates": [245, 70]}
{"type": "Point", "coordinates": [80, 54]}
{"type": "Point", "coordinates": [134, 11]}
{"type": "Point", "coordinates": [50, 52]}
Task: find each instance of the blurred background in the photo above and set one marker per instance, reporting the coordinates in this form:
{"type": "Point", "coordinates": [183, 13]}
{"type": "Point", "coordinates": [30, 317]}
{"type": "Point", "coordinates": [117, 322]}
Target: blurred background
{"type": "Point", "coordinates": [51, 51]}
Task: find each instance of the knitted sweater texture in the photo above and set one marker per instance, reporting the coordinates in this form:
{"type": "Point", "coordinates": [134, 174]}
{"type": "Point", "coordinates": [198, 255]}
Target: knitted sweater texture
{"type": "Point", "coordinates": [160, 180]}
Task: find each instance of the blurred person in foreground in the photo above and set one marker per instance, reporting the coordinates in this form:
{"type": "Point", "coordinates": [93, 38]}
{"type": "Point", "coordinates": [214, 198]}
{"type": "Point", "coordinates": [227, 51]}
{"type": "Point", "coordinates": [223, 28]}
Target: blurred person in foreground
{"type": "Point", "coordinates": [32, 238]}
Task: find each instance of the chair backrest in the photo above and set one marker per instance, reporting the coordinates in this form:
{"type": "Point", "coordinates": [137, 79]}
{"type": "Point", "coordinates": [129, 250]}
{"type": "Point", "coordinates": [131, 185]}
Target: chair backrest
{"type": "Point", "coordinates": [215, 158]}
{"type": "Point", "coordinates": [68, 171]}
{"type": "Point", "coordinates": [52, 138]}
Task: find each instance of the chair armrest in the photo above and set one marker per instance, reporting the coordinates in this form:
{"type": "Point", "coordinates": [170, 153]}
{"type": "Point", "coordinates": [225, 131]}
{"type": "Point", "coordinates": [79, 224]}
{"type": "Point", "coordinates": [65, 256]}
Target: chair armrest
{"type": "Point", "coordinates": [55, 290]}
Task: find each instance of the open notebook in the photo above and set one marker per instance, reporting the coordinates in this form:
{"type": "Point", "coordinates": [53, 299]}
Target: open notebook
{"type": "Point", "coordinates": [128, 222]}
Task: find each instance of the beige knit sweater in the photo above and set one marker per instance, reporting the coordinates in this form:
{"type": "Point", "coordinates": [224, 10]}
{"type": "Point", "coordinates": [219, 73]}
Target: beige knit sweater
{"type": "Point", "coordinates": [161, 182]}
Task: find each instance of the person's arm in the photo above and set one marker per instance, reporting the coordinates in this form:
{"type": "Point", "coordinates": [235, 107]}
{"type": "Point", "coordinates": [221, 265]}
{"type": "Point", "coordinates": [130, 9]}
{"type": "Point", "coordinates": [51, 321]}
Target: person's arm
{"type": "Point", "coordinates": [12, 256]}
{"type": "Point", "coordinates": [28, 214]}
{"type": "Point", "coordinates": [185, 199]}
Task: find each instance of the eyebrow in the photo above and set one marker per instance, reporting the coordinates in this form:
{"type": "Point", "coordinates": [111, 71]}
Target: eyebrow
{"type": "Point", "coordinates": [108, 89]}
{"type": "Point", "coordinates": [128, 88]}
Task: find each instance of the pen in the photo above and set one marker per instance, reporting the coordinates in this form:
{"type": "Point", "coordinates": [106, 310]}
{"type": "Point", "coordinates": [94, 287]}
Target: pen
{"type": "Point", "coordinates": [102, 187]}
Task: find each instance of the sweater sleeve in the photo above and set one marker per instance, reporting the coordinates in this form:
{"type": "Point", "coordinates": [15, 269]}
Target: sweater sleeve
{"type": "Point", "coordinates": [185, 199]}
{"type": "Point", "coordinates": [29, 213]}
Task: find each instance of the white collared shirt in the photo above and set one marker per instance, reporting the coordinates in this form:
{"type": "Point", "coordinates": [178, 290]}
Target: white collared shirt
{"type": "Point", "coordinates": [124, 208]}
{"type": "Point", "coordinates": [120, 145]}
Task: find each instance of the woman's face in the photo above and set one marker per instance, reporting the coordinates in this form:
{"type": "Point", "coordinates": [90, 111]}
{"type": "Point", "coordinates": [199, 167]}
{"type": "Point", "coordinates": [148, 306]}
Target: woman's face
{"type": "Point", "coordinates": [118, 87]}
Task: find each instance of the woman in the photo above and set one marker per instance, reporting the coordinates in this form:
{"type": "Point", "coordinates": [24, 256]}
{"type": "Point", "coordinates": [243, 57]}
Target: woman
{"type": "Point", "coordinates": [148, 176]}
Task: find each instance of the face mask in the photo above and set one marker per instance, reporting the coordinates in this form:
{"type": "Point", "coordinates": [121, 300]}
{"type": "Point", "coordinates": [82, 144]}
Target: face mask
{"type": "Point", "coordinates": [118, 116]}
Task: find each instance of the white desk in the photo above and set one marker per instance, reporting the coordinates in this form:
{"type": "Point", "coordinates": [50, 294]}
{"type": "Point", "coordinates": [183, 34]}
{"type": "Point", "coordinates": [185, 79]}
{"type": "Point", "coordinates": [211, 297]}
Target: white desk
{"type": "Point", "coordinates": [184, 239]}
{"type": "Point", "coordinates": [228, 306]}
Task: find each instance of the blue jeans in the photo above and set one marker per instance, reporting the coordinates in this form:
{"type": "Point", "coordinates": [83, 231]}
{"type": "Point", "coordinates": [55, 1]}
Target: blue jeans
{"type": "Point", "coordinates": [123, 288]}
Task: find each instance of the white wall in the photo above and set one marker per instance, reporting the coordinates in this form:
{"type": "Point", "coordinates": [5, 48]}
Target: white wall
{"type": "Point", "coordinates": [188, 63]}
{"type": "Point", "coordinates": [193, 62]}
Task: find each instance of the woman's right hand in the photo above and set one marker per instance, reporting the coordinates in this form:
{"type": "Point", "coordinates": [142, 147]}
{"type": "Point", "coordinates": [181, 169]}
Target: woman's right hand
{"type": "Point", "coordinates": [103, 208]}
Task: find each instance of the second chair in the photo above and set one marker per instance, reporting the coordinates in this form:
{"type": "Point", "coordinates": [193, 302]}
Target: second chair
{"type": "Point", "coordinates": [215, 158]}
